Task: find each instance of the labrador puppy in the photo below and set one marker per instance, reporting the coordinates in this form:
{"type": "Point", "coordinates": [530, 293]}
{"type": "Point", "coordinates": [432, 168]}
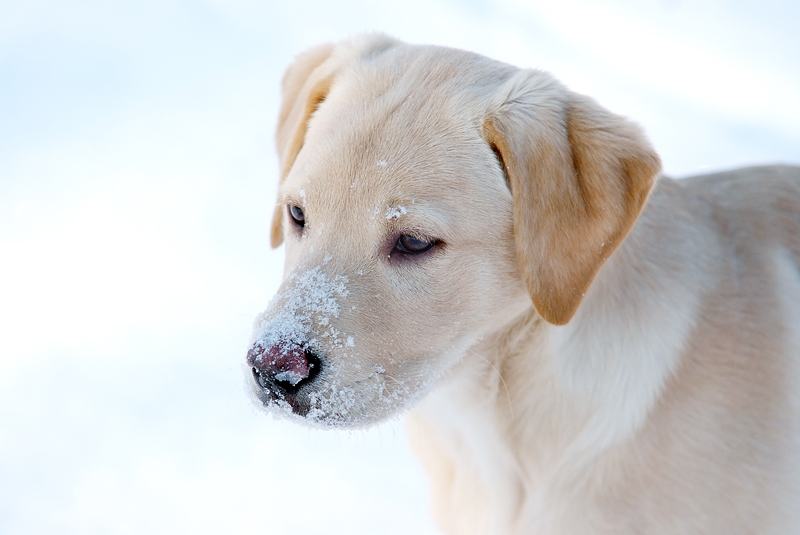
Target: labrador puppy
{"type": "Point", "coordinates": [588, 347]}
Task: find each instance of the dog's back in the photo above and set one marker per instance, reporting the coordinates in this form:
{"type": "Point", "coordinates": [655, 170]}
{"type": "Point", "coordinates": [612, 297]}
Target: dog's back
{"type": "Point", "coordinates": [762, 202]}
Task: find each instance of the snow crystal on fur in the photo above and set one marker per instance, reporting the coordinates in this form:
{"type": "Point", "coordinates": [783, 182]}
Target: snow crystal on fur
{"type": "Point", "coordinates": [312, 296]}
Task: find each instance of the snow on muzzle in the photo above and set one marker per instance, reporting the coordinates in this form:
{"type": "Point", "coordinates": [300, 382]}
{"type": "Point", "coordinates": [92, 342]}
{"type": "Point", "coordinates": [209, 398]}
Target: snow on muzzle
{"type": "Point", "coordinates": [285, 355]}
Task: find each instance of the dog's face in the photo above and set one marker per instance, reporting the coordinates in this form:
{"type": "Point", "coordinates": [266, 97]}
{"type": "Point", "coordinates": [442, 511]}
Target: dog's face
{"type": "Point", "coordinates": [402, 234]}
{"type": "Point", "coordinates": [399, 256]}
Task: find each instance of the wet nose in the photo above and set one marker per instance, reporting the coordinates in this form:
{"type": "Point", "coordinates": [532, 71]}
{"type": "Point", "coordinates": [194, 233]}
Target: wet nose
{"type": "Point", "coordinates": [280, 369]}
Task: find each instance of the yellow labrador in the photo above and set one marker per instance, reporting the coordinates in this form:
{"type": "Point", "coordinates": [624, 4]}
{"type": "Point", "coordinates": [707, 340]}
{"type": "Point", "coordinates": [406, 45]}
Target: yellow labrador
{"type": "Point", "coordinates": [588, 347]}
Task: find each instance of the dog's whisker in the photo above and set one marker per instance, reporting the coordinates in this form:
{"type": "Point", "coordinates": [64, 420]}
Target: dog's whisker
{"type": "Point", "coordinates": [502, 379]}
{"type": "Point", "coordinates": [401, 383]}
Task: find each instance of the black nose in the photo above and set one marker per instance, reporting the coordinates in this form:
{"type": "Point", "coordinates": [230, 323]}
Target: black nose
{"type": "Point", "coordinates": [283, 371]}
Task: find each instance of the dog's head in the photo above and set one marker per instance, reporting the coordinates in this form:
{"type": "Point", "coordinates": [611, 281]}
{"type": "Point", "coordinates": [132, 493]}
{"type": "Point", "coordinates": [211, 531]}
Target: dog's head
{"type": "Point", "coordinates": [428, 197]}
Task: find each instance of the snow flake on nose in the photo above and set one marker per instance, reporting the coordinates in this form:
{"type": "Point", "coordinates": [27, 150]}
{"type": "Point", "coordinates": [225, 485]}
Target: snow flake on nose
{"type": "Point", "coordinates": [311, 298]}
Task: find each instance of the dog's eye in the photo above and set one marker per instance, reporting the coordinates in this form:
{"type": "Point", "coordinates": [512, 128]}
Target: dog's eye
{"type": "Point", "coordinates": [412, 245]}
{"type": "Point", "coordinates": [297, 215]}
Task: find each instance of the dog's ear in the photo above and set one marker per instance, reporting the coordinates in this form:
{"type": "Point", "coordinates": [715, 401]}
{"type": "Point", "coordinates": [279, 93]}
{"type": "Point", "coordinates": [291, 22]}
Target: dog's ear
{"type": "Point", "coordinates": [305, 85]}
{"type": "Point", "coordinates": [579, 176]}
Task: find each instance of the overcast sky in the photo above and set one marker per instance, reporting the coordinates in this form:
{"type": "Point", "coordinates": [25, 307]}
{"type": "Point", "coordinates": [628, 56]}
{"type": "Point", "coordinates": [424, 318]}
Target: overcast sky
{"type": "Point", "coordinates": [137, 175]}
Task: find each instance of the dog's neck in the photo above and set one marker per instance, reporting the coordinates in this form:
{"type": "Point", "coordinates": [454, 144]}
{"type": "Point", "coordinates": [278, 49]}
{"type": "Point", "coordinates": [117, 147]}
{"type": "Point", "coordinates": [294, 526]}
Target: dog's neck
{"type": "Point", "coordinates": [563, 397]}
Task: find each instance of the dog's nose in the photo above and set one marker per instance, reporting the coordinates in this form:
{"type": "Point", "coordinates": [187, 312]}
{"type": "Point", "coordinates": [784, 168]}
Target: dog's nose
{"type": "Point", "coordinates": [282, 370]}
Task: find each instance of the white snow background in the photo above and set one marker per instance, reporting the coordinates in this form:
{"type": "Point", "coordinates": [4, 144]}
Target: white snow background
{"type": "Point", "coordinates": [137, 176]}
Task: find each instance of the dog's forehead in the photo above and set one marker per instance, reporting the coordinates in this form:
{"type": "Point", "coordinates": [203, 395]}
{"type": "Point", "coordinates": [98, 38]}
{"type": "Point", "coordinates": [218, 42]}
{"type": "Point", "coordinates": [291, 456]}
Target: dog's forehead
{"type": "Point", "coordinates": [398, 132]}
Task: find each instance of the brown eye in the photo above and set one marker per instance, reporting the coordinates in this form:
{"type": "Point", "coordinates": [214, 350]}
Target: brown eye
{"type": "Point", "coordinates": [412, 245]}
{"type": "Point", "coordinates": [297, 215]}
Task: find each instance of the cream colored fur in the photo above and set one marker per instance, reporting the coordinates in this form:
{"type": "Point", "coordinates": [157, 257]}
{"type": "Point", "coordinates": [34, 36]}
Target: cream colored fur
{"type": "Point", "coordinates": [585, 350]}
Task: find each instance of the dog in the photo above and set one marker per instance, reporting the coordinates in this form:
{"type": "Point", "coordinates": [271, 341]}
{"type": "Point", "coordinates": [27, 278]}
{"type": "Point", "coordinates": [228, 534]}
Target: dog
{"type": "Point", "coordinates": [586, 346]}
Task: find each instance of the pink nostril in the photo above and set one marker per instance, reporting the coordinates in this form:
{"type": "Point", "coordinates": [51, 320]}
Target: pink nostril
{"type": "Point", "coordinates": [279, 365]}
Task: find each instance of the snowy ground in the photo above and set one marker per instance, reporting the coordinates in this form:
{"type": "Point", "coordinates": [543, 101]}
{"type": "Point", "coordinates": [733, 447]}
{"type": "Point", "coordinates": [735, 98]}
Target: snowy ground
{"type": "Point", "coordinates": [136, 180]}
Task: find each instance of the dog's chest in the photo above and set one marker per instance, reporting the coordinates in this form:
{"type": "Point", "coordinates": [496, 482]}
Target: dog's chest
{"type": "Point", "coordinates": [462, 415]}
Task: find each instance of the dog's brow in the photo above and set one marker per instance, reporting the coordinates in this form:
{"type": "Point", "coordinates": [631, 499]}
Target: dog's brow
{"type": "Point", "coordinates": [292, 198]}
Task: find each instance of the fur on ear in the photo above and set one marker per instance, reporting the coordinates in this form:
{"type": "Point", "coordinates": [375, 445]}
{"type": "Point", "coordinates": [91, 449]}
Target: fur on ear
{"type": "Point", "coordinates": [579, 176]}
{"type": "Point", "coordinates": [305, 85]}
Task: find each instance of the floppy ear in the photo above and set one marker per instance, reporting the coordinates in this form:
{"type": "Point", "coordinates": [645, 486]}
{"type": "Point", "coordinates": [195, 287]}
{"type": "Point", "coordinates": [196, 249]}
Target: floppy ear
{"type": "Point", "coordinates": [305, 85]}
{"type": "Point", "coordinates": [579, 176]}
